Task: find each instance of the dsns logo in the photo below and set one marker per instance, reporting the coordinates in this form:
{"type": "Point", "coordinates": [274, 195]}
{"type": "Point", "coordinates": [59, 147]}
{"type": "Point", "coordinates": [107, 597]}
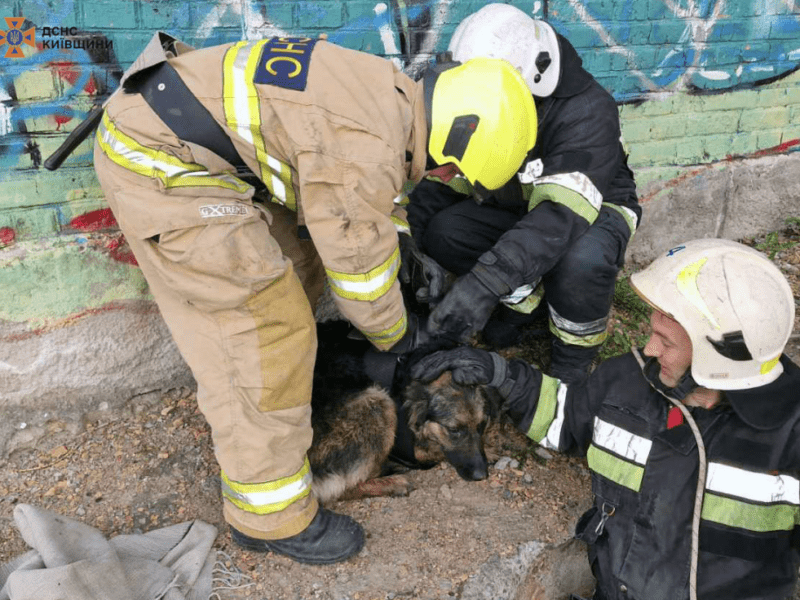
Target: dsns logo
{"type": "Point", "coordinates": [15, 37]}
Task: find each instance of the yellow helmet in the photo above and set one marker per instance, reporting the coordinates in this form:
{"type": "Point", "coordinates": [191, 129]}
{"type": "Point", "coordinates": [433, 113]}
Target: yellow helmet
{"type": "Point", "coordinates": [481, 117]}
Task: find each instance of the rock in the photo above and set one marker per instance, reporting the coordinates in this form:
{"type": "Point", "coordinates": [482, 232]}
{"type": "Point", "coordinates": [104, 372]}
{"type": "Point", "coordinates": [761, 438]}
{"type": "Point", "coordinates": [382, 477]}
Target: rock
{"type": "Point", "coordinates": [505, 463]}
{"type": "Point", "coordinates": [557, 572]}
{"type": "Point", "coordinates": [498, 578]}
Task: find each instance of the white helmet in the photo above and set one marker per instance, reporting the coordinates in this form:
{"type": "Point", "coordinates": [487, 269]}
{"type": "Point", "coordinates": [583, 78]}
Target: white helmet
{"type": "Point", "coordinates": [504, 31]}
{"type": "Point", "coordinates": [736, 306]}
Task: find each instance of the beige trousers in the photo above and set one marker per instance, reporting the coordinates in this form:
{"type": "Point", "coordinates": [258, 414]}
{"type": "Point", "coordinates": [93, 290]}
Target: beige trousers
{"type": "Point", "coordinates": [235, 305]}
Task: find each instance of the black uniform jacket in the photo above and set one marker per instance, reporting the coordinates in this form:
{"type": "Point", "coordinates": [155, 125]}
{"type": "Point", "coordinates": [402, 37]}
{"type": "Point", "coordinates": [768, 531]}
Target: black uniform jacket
{"type": "Point", "coordinates": [644, 479]}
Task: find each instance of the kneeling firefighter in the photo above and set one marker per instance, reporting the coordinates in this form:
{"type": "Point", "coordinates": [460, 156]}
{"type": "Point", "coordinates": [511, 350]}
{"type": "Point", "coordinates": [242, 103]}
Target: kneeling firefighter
{"type": "Point", "coordinates": [554, 237]}
{"type": "Point", "coordinates": [333, 135]}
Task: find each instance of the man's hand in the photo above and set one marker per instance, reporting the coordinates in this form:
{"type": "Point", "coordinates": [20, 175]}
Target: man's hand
{"type": "Point", "coordinates": [465, 309]}
{"type": "Point", "coordinates": [415, 336]}
{"type": "Point", "coordinates": [469, 366]}
{"type": "Point", "coordinates": [427, 277]}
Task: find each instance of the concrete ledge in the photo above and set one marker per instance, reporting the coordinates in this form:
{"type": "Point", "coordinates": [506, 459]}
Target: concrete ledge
{"type": "Point", "coordinates": [98, 362]}
{"type": "Point", "coordinates": [729, 200]}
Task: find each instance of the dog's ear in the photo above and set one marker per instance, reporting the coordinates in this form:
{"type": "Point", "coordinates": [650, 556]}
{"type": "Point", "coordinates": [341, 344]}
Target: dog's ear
{"type": "Point", "coordinates": [416, 405]}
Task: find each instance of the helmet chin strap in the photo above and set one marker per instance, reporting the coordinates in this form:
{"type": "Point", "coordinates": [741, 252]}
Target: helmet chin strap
{"type": "Point", "coordinates": [685, 386]}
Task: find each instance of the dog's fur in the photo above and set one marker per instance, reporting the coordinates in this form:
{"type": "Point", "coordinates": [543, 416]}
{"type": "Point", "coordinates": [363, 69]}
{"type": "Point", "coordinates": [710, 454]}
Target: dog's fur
{"type": "Point", "coordinates": [355, 420]}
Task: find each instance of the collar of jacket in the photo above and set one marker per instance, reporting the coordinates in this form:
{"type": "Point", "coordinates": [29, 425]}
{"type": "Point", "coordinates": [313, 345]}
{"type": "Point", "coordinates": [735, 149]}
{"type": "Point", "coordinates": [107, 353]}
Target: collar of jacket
{"type": "Point", "coordinates": [574, 78]}
{"type": "Point", "coordinates": [161, 47]}
{"type": "Point", "coordinates": [770, 406]}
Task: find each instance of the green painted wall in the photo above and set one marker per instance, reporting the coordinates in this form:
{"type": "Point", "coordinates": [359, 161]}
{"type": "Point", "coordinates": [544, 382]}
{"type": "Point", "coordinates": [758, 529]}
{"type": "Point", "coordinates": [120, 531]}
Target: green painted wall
{"type": "Point", "coordinates": [696, 86]}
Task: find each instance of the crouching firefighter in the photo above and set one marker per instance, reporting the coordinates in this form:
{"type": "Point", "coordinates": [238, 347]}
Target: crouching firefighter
{"type": "Point", "coordinates": [333, 135]}
{"type": "Point", "coordinates": [554, 237]}
{"type": "Point", "coordinates": [695, 451]}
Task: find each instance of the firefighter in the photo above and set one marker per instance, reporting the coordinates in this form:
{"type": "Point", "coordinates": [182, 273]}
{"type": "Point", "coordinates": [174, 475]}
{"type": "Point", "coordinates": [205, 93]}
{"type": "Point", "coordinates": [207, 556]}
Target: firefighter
{"type": "Point", "coordinates": [559, 229]}
{"type": "Point", "coordinates": [334, 135]}
{"type": "Point", "coordinates": [694, 452]}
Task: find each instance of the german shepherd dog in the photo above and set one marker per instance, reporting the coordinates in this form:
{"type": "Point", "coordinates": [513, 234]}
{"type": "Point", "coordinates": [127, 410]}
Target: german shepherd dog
{"type": "Point", "coordinates": [363, 430]}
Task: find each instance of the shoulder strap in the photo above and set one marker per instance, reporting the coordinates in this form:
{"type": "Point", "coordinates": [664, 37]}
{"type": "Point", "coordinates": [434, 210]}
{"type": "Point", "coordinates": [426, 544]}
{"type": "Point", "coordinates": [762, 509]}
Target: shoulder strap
{"type": "Point", "coordinates": [168, 96]}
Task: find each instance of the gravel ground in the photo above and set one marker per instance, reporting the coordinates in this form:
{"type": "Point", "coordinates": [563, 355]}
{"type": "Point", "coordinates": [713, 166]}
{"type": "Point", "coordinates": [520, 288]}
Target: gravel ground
{"type": "Point", "coordinates": [152, 465]}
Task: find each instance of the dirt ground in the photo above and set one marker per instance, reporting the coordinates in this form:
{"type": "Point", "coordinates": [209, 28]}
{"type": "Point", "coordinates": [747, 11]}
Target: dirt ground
{"type": "Point", "coordinates": [152, 465]}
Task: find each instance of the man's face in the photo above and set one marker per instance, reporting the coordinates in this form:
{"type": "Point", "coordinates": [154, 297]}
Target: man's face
{"type": "Point", "coordinates": [670, 345]}
{"type": "Point", "coordinates": [446, 172]}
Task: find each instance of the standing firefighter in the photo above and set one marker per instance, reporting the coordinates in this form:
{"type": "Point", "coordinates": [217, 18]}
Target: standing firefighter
{"type": "Point", "coordinates": [559, 229]}
{"type": "Point", "coordinates": [334, 135]}
{"type": "Point", "coordinates": [694, 453]}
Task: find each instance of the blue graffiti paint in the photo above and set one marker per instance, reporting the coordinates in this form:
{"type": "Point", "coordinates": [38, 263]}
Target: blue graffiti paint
{"type": "Point", "coordinates": [634, 47]}
{"type": "Point", "coordinates": [708, 48]}
{"type": "Point", "coordinates": [15, 143]}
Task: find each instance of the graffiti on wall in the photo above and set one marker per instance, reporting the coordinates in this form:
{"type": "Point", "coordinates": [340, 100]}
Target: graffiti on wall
{"type": "Point", "coordinates": [643, 49]}
{"type": "Point", "coordinates": [29, 108]}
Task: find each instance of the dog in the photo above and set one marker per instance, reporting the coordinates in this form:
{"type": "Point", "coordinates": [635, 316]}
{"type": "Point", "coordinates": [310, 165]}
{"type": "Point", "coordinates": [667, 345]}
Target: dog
{"type": "Point", "coordinates": [364, 430]}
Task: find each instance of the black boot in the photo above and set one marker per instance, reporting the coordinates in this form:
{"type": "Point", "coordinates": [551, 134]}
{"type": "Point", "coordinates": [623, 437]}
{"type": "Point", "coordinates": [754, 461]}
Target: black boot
{"type": "Point", "coordinates": [329, 538]}
{"type": "Point", "coordinates": [504, 328]}
{"type": "Point", "coordinates": [571, 364]}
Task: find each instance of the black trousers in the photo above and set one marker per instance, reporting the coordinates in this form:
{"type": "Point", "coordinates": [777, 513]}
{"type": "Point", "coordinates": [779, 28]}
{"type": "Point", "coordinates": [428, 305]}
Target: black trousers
{"type": "Point", "coordinates": [580, 286]}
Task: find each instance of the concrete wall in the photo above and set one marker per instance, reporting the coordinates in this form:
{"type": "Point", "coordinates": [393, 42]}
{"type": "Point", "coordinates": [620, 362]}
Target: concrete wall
{"type": "Point", "coordinates": [709, 97]}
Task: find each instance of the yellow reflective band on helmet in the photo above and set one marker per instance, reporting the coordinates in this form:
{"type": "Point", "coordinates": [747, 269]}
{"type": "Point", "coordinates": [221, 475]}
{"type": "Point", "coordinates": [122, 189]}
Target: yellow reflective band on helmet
{"type": "Point", "coordinates": [687, 285]}
{"type": "Point", "coordinates": [243, 115]}
{"type": "Point", "coordinates": [173, 172]}
{"type": "Point", "coordinates": [400, 225]}
{"type": "Point", "coordinates": [586, 341]}
{"type": "Point", "coordinates": [389, 337]}
{"type": "Point", "coordinates": [573, 190]}
{"type": "Point", "coordinates": [769, 365]}
{"type": "Point", "coordinates": [269, 497]}
{"type": "Point", "coordinates": [366, 286]}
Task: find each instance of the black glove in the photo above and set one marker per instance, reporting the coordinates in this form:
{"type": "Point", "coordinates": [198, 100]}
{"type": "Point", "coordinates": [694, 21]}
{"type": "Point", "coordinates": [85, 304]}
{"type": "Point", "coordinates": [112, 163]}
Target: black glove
{"type": "Point", "coordinates": [469, 303]}
{"type": "Point", "coordinates": [415, 336]}
{"type": "Point", "coordinates": [517, 383]}
{"type": "Point", "coordinates": [464, 310]}
{"type": "Point", "coordinates": [428, 278]}
{"type": "Point", "coordinates": [470, 366]}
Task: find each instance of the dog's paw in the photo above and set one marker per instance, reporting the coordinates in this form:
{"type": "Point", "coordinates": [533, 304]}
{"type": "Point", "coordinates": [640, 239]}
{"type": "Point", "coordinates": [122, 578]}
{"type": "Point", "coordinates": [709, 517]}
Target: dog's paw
{"type": "Point", "coordinates": [394, 485]}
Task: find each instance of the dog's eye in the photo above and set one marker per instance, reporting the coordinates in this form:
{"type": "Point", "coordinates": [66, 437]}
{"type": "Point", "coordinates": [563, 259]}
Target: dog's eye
{"type": "Point", "coordinates": [456, 433]}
